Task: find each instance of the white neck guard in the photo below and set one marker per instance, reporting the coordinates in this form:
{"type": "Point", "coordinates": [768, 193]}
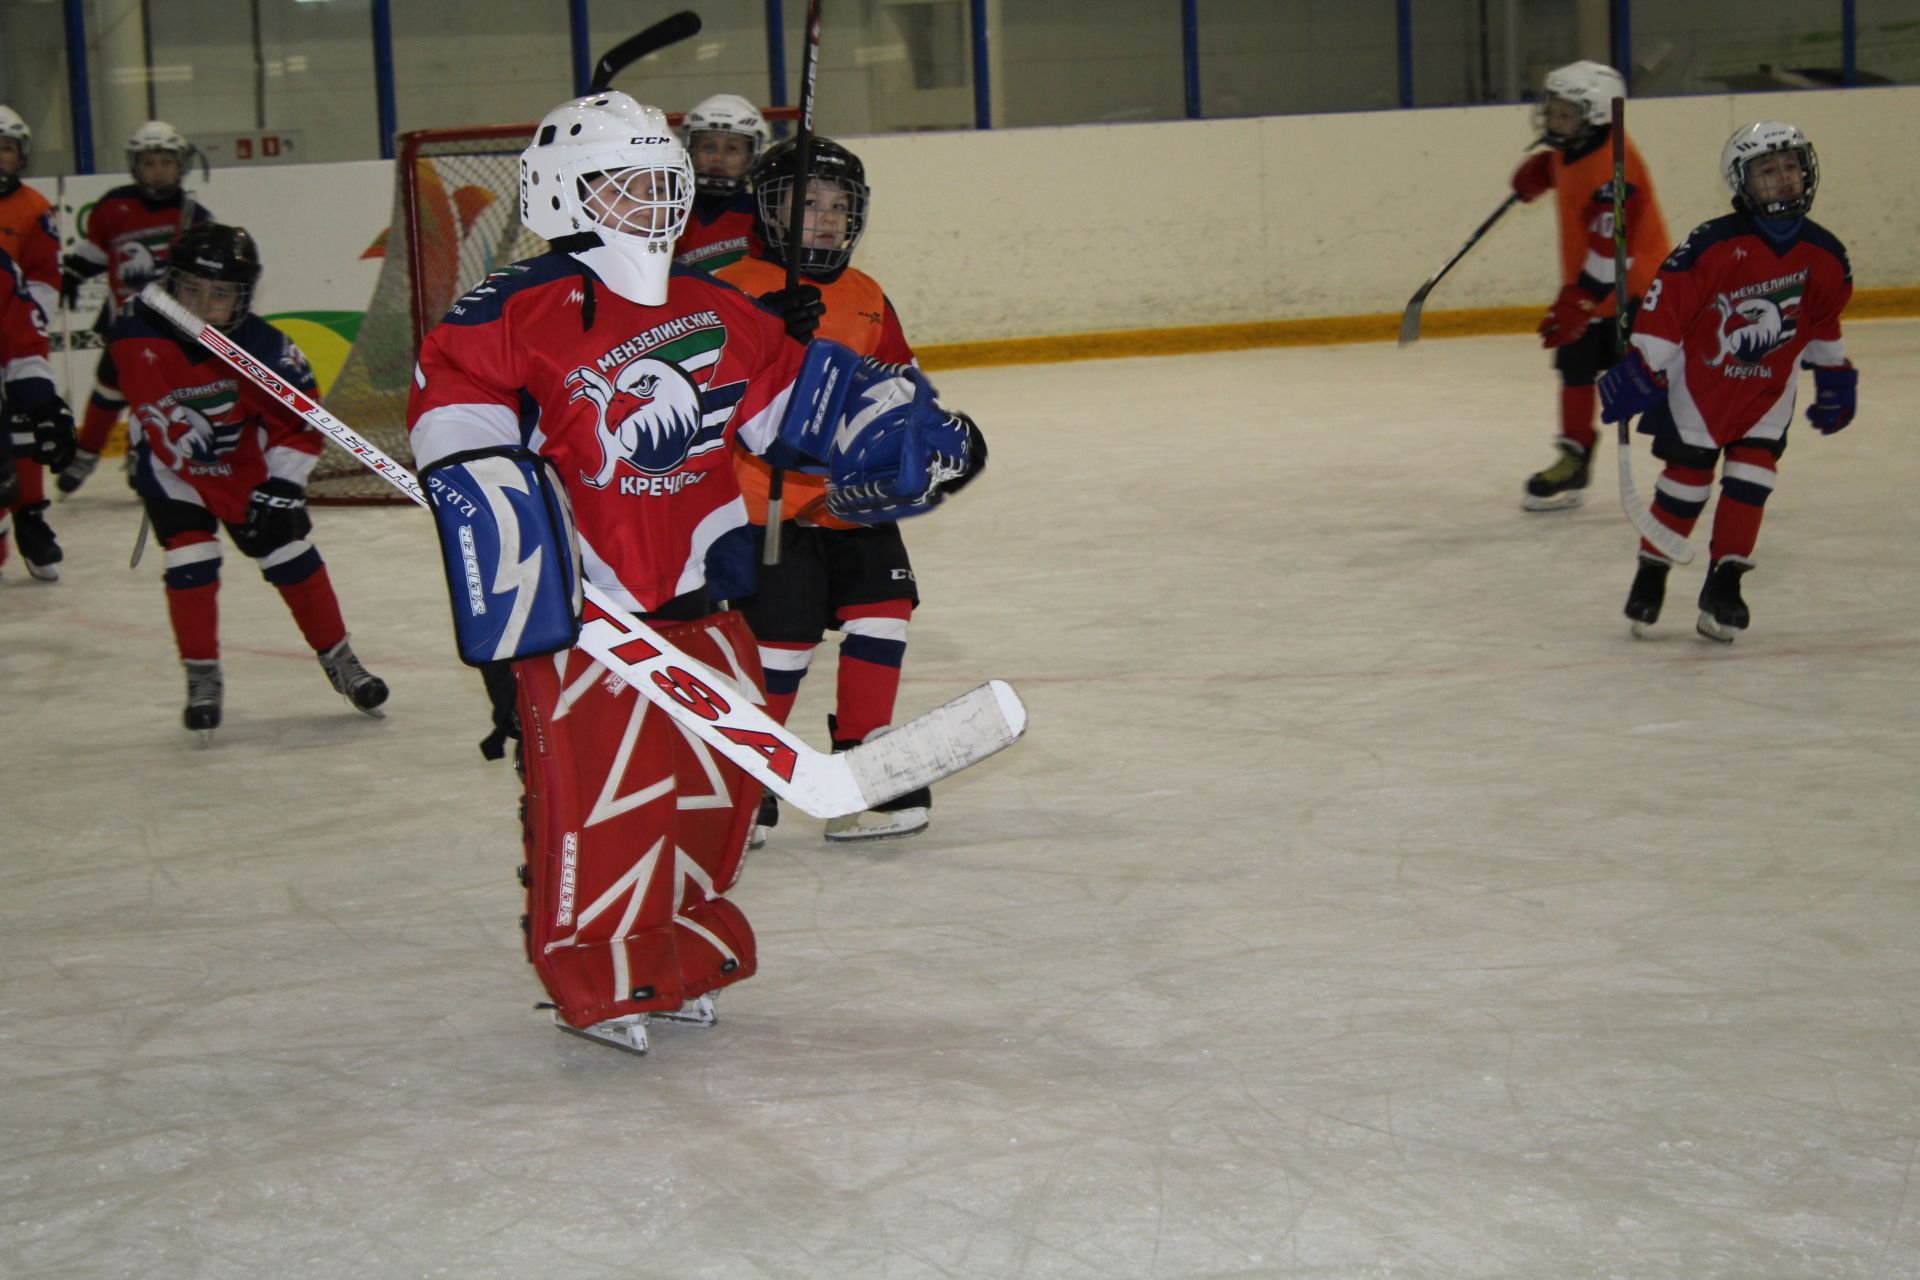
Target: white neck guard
{"type": "Point", "coordinates": [632, 272]}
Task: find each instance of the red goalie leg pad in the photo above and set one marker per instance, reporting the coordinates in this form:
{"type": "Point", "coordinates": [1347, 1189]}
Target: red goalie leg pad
{"type": "Point", "coordinates": [634, 828]}
{"type": "Point", "coordinates": [1576, 415]}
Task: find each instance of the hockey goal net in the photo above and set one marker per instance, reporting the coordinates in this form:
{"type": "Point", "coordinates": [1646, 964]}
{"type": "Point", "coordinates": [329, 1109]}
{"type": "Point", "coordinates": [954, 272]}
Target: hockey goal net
{"type": "Point", "coordinates": [455, 218]}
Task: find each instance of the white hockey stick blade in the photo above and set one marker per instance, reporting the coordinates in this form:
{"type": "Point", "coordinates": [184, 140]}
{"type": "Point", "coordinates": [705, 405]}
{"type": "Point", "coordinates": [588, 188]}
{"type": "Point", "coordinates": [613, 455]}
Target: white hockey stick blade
{"type": "Point", "coordinates": [822, 784]}
{"type": "Point", "coordinates": [1665, 540]}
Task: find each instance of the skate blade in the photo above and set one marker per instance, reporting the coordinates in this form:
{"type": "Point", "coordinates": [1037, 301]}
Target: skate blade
{"type": "Point", "coordinates": [206, 737]}
{"type": "Point", "coordinates": [1641, 630]}
{"type": "Point", "coordinates": [1711, 627]}
{"type": "Point", "coordinates": [697, 1012]}
{"type": "Point", "coordinates": [628, 1037]}
{"type": "Point", "coordinates": [1558, 502]}
{"type": "Point", "coordinates": [878, 826]}
{"type": "Point", "coordinates": [43, 572]}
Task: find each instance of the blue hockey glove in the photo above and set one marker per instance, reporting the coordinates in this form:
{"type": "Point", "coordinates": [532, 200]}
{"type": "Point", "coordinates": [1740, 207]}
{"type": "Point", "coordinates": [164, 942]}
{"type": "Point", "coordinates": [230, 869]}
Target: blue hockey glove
{"type": "Point", "coordinates": [900, 455]}
{"type": "Point", "coordinates": [1833, 397]}
{"type": "Point", "coordinates": [1630, 387]}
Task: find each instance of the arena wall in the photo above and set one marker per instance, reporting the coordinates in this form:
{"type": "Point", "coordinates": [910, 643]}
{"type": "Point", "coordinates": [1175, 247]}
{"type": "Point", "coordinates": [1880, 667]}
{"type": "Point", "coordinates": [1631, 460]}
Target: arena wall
{"type": "Point", "coordinates": [1023, 233]}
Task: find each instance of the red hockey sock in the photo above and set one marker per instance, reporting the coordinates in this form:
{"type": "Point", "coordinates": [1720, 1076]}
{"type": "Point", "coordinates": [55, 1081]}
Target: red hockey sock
{"type": "Point", "coordinates": [316, 609]}
{"type": "Point", "coordinates": [96, 425]}
{"type": "Point", "coordinates": [1576, 415]}
{"type": "Point", "coordinates": [33, 483]}
{"type": "Point", "coordinates": [1736, 527]}
{"type": "Point", "coordinates": [780, 705]}
{"type": "Point", "coordinates": [864, 700]}
{"type": "Point", "coordinates": [195, 612]}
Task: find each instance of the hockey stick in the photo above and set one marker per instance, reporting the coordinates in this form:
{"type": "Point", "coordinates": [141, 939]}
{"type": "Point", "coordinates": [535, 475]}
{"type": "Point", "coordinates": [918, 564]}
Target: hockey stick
{"type": "Point", "coordinates": [916, 754]}
{"type": "Point", "coordinates": [1669, 543]}
{"type": "Point", "coordinates": [796, 228]}
{"type": "Point", "coordinates": [1410, 319]}
{"type": "Point", "coordinates": [670, 30]}
{"type": "Point", "coordinates": [140, 539]}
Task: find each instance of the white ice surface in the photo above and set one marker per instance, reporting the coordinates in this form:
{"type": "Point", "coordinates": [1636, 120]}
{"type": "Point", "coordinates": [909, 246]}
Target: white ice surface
{"type": "Point", "coordinates": [1363, 901]}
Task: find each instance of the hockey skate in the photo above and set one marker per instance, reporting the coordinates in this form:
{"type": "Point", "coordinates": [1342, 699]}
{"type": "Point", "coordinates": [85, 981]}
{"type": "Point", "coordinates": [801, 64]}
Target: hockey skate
{"type": "Point", "coordinates": [1561, 485]}
{"type": "Point", "coordinates": [697, 1012]}
{"type": "Point", "coordinates": [38, 548]}
{"type": "Point", "coordinates": [766, 820]}
{"type": "Point", "coordinates": [352, 681]}
{"type": "Point", "coordinates": [627, 1033]}
{"type": "Point", "coordinates": [1648, 593]}
{"type": "Point", "coordinates": [205, 689]}
{"type": "Point", "coordinates": [1723, 614]}
{"type": "Point", "coordinates": [901, 816]}
{"type": "Point", "coordinates": [76, 472]}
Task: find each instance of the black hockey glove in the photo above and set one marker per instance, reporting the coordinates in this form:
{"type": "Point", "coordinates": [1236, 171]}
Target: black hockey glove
{"type": "Point", "coordinates": [276, 515]}
{"type": "Point", "coordinates": [43, 433]}
{"type": "Point", "coordinates": [799, 308]}
{"type": "Point", "coordinates": [70, 279]}
{"type": "Point", "coordinates": [503, 693]}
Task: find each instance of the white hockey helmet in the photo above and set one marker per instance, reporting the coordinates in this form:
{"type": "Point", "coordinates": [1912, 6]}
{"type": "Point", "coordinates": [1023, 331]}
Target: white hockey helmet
{"type": "Point", "coordinates": [1764, 138]}
{"type": "Point", "coordinates": [12, 126]}
{"type": "Point", "coordinates": [726, 113]}
{"type": "Point", "coordinates": [605, 163]}
{"type": "Point", "coordinates": [1591, 86]}
{"type": "Point", "coordinates": [156, 135]}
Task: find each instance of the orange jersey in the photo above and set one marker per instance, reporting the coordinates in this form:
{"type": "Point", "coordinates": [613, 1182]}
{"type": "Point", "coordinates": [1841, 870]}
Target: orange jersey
{"type": "Point", "coordinates": [858, 316]}
{"type": "Point", "coordinates": [1583, 198]}
{"type": "Point", "coordinates": [28, 237]}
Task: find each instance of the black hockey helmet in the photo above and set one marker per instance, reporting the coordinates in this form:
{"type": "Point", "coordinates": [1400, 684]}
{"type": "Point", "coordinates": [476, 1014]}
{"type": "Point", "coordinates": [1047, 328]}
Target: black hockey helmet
{"type": "Point", "coordinates": [218, 252]}
{"type": "Point", "coordinates": [772, 181]}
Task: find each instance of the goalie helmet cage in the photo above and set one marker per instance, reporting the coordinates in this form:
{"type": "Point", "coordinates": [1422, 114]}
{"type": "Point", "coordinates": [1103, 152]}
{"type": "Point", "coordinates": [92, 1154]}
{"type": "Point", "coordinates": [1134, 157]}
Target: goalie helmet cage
{"type": "Point", "coordinates": [456, 217]}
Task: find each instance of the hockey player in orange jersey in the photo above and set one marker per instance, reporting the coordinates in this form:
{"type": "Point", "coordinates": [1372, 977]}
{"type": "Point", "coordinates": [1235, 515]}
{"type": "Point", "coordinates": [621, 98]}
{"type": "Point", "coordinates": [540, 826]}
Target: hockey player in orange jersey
{"type": "Point", "coordinates": [28, 237]}
{"type": "Point", "coordinates": [1576, 125]}
{"type": "Point", "coordinates": [832, 575]}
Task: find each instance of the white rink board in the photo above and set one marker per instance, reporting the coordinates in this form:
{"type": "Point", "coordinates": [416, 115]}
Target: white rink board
{"type": "Point", "coordinates": [1363, 902]}
{"type": "Point", "coordinates": [1027, 232]}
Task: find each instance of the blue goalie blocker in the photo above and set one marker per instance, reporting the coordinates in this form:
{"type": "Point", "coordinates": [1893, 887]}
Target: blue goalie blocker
{"type": "Point", "coordinates": [511, 553]}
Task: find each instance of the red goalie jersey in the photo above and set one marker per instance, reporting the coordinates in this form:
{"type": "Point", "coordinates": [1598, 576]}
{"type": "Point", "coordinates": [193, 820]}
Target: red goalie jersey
{"type": "Point", "coordinates": [1730, 318]}
{"type": "Point", "coordinates": [649, 401]}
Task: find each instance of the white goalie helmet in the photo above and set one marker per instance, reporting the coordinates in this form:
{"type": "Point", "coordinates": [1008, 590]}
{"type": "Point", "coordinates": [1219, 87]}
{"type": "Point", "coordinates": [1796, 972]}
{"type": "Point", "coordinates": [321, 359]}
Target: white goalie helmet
{"type": "Point", "coordinates": [1592, 86]}
{"type": "Point", "coordinates": [733, 114]}
{"type": "Point", "coordinates": [12, 126]}
{"type": "Point", "coordinates": [605, 163]}
{"type": "Point", "coordinates": [1764, 138]}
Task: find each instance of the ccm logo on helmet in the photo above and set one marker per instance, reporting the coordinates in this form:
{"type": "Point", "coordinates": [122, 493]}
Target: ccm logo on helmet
{"type": "Point", "coordinates": [649, 142]}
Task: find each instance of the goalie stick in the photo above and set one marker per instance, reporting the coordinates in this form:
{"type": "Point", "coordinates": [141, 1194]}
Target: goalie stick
{"type": "Point", "coordinates": [1410, 319]}
{"type": "Point", "coordinates": [667, 31]}
{"type": "Point", "coordinates": [796, 228]}
{"type": "Point", "coordinates": [705, 703]}
{"type": "Point", "coordinates": [1669, 543]}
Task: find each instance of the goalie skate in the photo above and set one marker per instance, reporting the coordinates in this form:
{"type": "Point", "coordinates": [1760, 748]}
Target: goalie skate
{"type": "Point", "coordinates": [697, 1012]}
{"type": "Point", "coordinates": [627, 1034]}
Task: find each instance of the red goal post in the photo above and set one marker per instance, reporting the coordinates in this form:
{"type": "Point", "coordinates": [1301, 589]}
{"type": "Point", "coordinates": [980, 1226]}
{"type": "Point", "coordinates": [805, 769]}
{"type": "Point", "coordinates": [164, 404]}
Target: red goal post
{"type": "Point", "coordinates": [455, 219]}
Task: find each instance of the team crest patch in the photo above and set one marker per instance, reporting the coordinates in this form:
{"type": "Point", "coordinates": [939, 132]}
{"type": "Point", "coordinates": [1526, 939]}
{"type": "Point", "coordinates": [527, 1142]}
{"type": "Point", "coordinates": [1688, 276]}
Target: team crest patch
{"type": "Point", "coordinates": [192, 433]}
{"type": "Point", "coordinates": [656, 408]}
{"type": "Point", "coordinates": [1758, 320]}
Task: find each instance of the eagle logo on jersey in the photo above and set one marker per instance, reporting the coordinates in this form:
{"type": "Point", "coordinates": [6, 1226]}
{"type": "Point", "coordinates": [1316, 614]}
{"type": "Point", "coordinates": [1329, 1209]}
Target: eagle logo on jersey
{"type": "Point", "coordinates": [1753, 328]}
{"type": "Point", "coordinates": [656, 410]}
{"type": "Point", "coordinates": [193, 434]}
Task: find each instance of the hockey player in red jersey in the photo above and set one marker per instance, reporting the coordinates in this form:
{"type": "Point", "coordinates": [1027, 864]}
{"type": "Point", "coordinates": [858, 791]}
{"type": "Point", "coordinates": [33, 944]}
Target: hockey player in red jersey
{"type": "Point", "coordinates": [35, 425]}
{"type": "Point", "coordinates": [587, 400]}
{"type": "Point", "coordinates": [1576, 124]}
{"type": "Point", "coordinates": [1737, 310]}
{"type": "Point", "coordinates": [213, 450]}
{"type": "Point", "coordinates": [28, 236]}
{"type": "Point", "coordinates": [127, 237]}
{"type": "Point", "coordinates": [833, 574]}
{"type": "Point", "coordinates": [724, 135]}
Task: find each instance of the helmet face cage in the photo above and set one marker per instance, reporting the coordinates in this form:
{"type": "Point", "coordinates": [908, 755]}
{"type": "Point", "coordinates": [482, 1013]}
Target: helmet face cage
{"type": "Point", "coordinates": [645, 202]}
{"type": "Point", "coordinates": [720, 184]}
{"type": "Point", "coordinates": [726, 115]}
{"type": "Point", "coordinates": [1739, 174]}
{"type": "Point", "coordinates": [212, 253]}
{"type": "Point", "coordinates": [772, 180]}
{"type": "Point", "coordinates": [156, 135]}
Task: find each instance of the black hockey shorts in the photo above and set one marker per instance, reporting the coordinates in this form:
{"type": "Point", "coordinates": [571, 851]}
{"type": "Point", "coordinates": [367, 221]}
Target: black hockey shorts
{"type": "Point", "coordinates": [822, 571]}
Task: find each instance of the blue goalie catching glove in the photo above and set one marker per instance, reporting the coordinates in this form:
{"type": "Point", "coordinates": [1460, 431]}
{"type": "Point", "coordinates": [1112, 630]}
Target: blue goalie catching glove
{"type": "Point", "coordinates": [511, 553]}
{"type": "Point", "coordinates": [1834, 393]}
{"type": "Point", "coordinates": [1630, 387]}
{"type": "Point", "coordinates": [899, 454]}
